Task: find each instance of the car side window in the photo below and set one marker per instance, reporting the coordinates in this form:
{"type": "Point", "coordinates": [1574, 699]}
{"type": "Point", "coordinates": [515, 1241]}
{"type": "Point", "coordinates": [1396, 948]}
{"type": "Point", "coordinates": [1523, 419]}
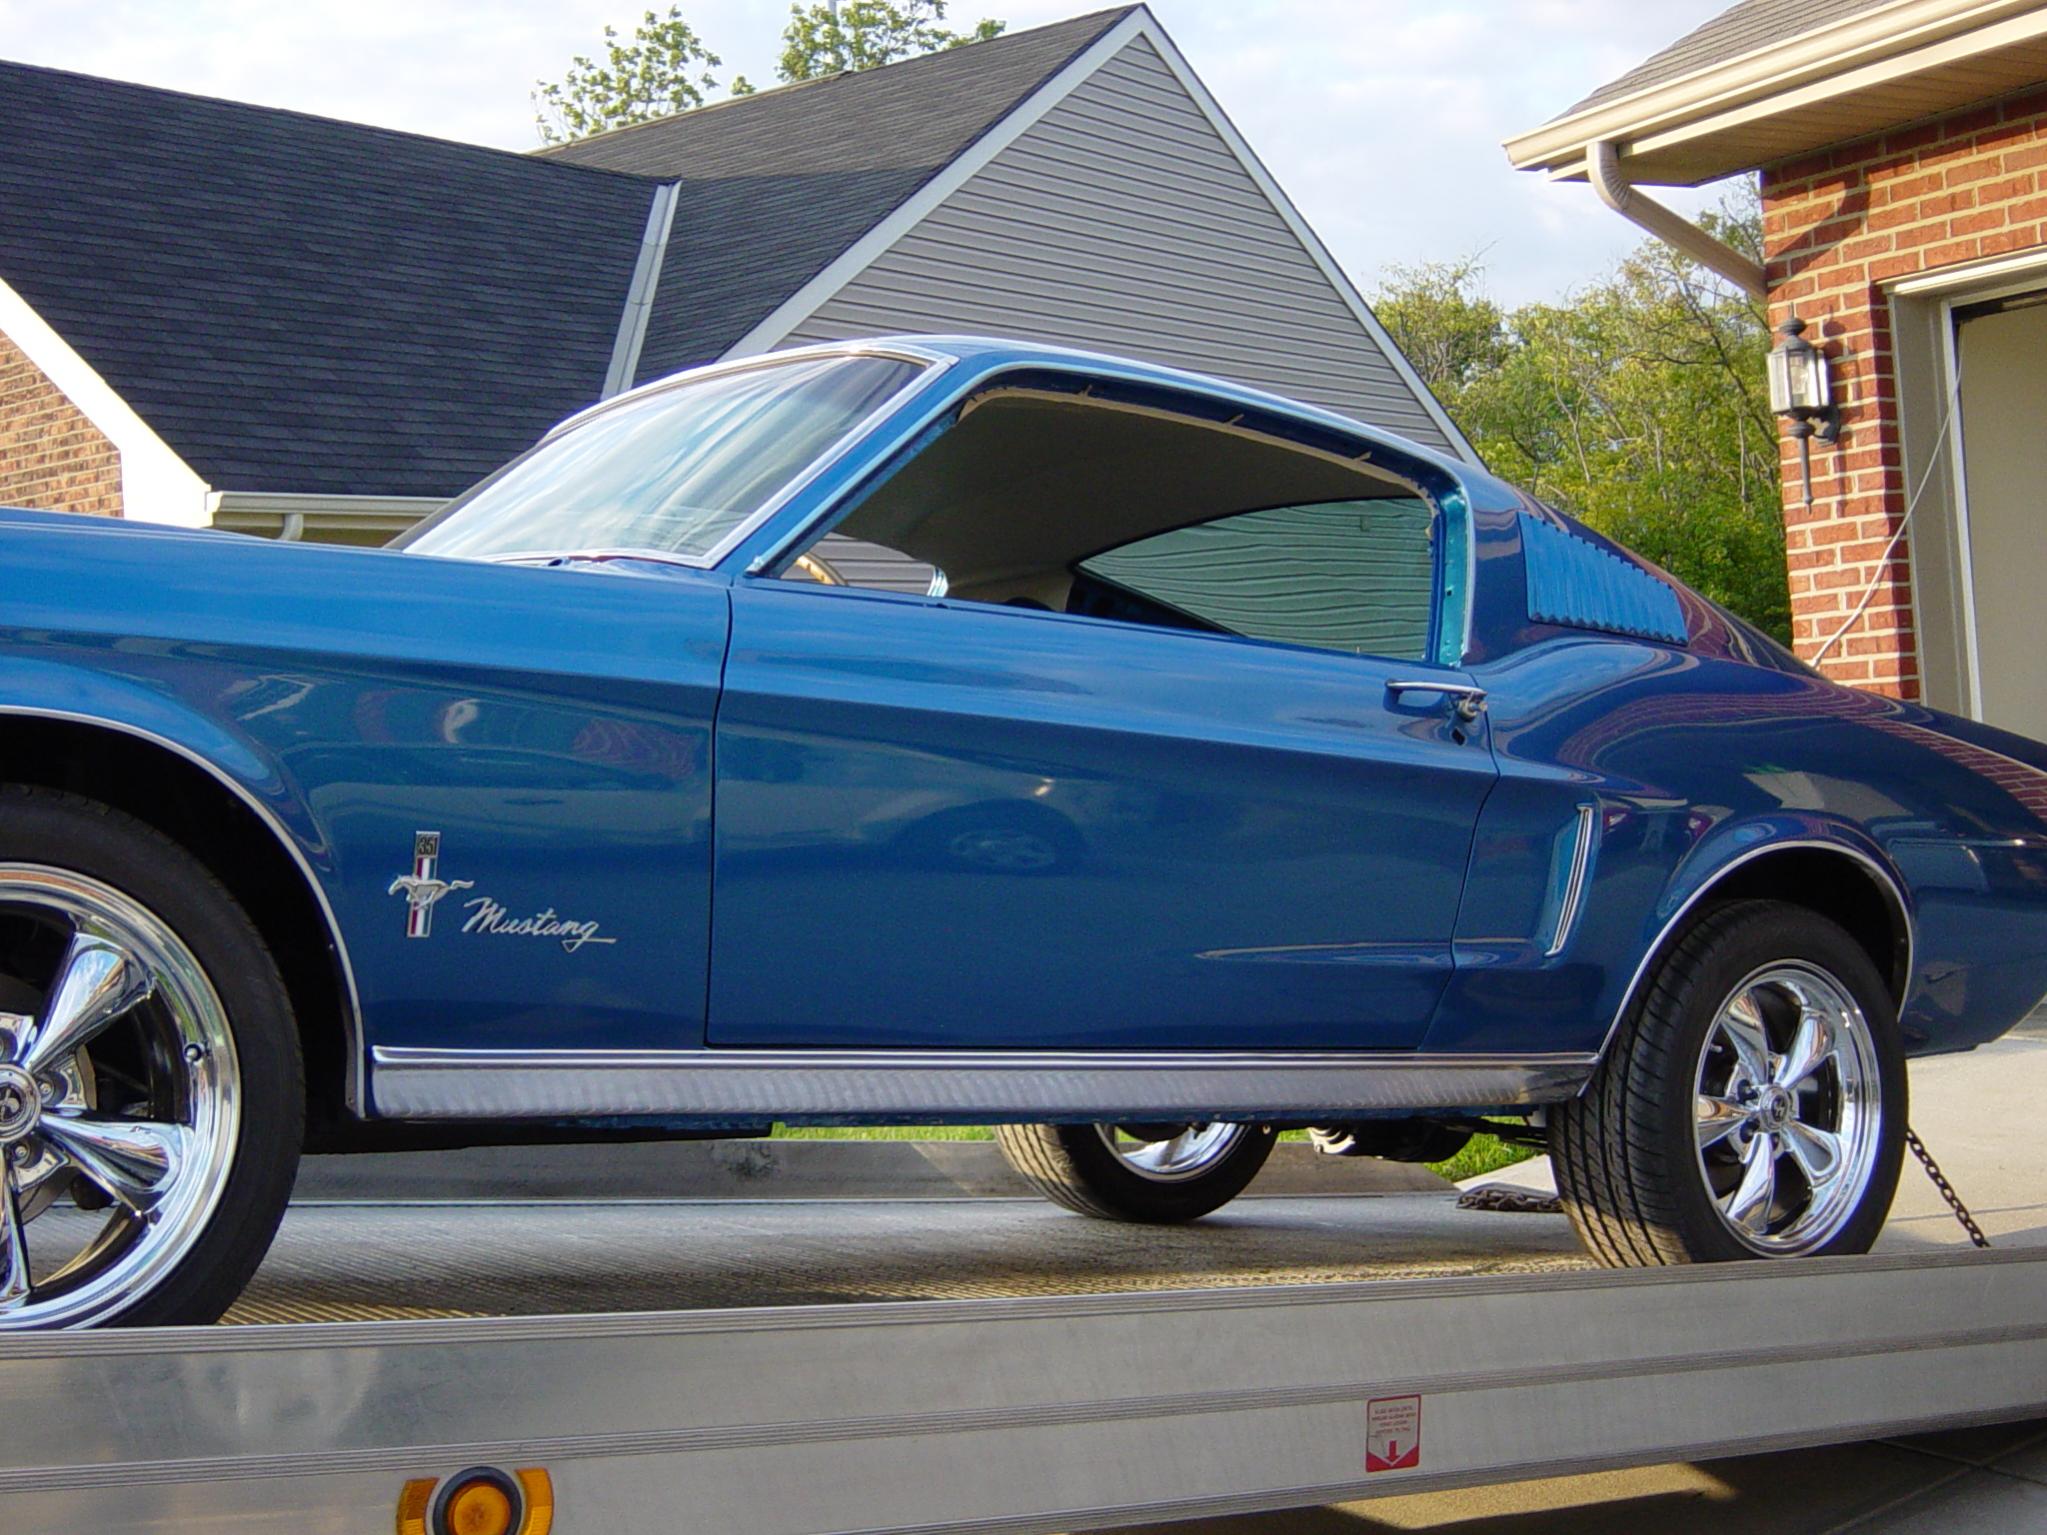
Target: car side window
{"type": "Point", "coordinates": [837, 560]}
{"type": "Point", "coordinates": [1073, 495]}
{"type": "Point", "coordinates": [1355, 576]}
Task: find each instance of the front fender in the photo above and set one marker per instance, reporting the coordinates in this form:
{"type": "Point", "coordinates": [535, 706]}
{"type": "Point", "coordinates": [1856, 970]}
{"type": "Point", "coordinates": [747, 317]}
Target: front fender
{"type": "Point", "coordinates": [552, 726]}
{"type": "Point", "coordinates": [127, 705]}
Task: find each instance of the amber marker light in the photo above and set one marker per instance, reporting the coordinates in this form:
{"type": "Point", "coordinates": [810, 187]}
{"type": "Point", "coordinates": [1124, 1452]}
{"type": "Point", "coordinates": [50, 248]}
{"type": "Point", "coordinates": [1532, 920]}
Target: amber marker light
{"type": "Point", "coordinates": [479, 1501]}
{"type": "Point", "coordinates": [478, 1508]}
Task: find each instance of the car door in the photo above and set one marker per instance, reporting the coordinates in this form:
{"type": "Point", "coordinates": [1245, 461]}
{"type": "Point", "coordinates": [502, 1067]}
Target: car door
{"type": "Point", "coordinates": [950, 824]}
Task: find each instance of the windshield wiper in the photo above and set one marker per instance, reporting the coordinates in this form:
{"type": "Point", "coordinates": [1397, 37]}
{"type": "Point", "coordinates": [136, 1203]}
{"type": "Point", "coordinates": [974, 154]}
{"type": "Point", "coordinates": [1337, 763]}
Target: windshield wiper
{"type": "Point", "coordinates": [595, 557]}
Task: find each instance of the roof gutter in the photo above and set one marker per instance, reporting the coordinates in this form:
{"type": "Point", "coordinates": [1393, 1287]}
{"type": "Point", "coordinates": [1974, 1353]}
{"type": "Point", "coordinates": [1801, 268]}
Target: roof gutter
{"type": "Point", "coordinates": [1602, 165]}
{"type": "Point", "coordinates": [1891, 36]}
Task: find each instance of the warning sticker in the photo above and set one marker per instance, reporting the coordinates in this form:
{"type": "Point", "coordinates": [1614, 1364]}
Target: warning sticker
{"type": "Point", "coordinates": [1393, 1433]}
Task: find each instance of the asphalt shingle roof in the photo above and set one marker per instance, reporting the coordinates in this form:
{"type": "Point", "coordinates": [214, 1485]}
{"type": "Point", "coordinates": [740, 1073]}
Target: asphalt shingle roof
{"type": "Point", "coordinates": [1740, 29]}
{"type": "Point", "coordinates": [776, 186]}
{"type": "Point", "coordinates": [299, 304]}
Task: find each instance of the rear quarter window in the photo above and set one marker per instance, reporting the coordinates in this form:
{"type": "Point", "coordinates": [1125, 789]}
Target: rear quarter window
{"type": "Point", "coordinates": [1356, 576]}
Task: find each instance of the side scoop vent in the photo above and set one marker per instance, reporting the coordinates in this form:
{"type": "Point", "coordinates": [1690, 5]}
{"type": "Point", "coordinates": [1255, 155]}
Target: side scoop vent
{"type": "Point", "coordinates": [1573, 581]}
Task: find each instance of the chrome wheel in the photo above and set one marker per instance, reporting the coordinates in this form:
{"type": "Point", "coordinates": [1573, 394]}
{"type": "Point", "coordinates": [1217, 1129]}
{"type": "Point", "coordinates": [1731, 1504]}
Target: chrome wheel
{"type": "Point", "coordinates": [1171, 1153]}
{"type": "Point", "coordinates": [119, 1098]}
{"type": "Point", "coordinates": [1788, 1108]}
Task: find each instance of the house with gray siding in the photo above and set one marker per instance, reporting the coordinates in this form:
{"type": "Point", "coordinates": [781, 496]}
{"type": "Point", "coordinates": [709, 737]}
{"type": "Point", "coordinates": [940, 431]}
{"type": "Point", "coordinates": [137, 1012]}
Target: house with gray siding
{"type": "Point", "coordinates": [218, 313]}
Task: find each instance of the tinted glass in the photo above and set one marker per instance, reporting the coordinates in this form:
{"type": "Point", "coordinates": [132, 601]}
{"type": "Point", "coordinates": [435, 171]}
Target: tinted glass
{"type": "Point", "coordinates": [672, 473]}
{"type": "Point", "coordinates": [1340, 575]}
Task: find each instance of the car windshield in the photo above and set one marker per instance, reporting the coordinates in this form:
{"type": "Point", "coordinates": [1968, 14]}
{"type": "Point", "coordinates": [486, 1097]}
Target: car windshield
{"type": "Point", "coordinates": [672, 474]}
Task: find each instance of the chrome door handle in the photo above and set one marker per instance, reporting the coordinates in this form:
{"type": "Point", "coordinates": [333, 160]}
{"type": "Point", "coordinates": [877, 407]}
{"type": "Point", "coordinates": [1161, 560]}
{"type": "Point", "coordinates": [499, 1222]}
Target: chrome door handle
{"type": "Point", "coordinates": [1470, 700]}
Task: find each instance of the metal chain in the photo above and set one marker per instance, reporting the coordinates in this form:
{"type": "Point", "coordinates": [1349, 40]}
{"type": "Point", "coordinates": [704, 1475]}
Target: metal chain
{"type": "Point", "coordinates": [1947, 1189]}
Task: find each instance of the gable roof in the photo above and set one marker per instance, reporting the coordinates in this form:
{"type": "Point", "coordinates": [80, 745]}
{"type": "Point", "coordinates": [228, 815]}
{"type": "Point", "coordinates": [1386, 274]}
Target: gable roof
{"type": "Point", "coordinates": [774, 186]}
{"type": "Point", "coordinates": [278, 307]}
{"type": "Point", "coordinates": [297, 303]}
{"type": "Point", "coordinates": [1738, 30]}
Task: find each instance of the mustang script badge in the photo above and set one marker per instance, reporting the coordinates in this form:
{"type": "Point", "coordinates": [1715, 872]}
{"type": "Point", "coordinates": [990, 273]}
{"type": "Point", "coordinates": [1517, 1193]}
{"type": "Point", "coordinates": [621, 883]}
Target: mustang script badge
{"type": "Point", "coordinates": [421, 888]}
{"type": "Point", "coordinates": [424, 889]}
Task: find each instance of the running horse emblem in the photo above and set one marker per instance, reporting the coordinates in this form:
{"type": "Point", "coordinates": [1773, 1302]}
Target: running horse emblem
{"type": "Point", "coordinates": [423, 887]}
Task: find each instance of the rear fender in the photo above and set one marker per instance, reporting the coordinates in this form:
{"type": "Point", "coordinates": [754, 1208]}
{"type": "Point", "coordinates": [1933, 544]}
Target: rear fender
{"type": "Point", "coordinates": [1733, 862]}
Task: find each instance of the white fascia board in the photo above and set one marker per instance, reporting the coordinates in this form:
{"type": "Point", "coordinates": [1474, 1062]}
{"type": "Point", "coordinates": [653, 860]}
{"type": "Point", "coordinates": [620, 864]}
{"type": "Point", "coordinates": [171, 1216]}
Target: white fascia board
{"type": "Point", "coordinates": [639, 298]}
{"type": "Point", "coordinates": [1885, 42]}
{"type": "Point", "coordinates": [857, 257]}
{"type": "Point", "coordinates": [156, 484]}
{"type": "Point", "coordinates": [281, 512]}
{"type": "Point", "coordinates": [1310, 241]}
{"type": "Point", "coordinates": [1934, 56]}
{"type": "Point", "coordinates": [1140, 23]}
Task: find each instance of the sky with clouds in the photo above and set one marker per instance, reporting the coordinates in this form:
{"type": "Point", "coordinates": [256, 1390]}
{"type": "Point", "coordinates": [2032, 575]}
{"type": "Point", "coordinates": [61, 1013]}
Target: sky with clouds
{"type": "Point", "coordinates": [1381, 118]}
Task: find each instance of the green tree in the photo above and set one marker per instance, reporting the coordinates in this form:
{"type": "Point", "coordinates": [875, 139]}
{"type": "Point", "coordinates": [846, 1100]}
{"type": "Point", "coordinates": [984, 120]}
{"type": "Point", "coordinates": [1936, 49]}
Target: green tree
{"type": "Point", "coordinates": [663, 69]}
{"type": "Point", "coordinates": [837, 35]}
{"type": "Point", "coordinates": [1636, 404]}
{"type": "Point", "coordinates": [1445, 326]}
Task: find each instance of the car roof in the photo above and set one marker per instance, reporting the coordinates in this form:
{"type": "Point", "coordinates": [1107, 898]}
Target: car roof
{"type": "Point", "coordinates": [990, 352]}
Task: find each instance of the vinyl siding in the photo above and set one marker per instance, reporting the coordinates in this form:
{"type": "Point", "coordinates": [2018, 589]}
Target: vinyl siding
{"type": "Point", "coordinates": [1355, 576]}
{"type": "Point", "coordinates": [858, 563]}
{"type": "Point", "coordinates": [1123, 221]}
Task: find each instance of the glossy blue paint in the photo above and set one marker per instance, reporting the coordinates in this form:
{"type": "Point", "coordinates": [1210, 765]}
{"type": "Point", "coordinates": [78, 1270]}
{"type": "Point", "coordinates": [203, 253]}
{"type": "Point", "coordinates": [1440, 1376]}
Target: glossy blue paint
{"type": "Point", "coordinates": [1575, 583]}
{"type": "Point", "coordinates": [552, 725]}
{"type": "Point", "coordinates": [1696, 761]}
{"type": "Point", "coordinates": [956, 824]}
{"type": "Point", "coordinates": [939, 823]}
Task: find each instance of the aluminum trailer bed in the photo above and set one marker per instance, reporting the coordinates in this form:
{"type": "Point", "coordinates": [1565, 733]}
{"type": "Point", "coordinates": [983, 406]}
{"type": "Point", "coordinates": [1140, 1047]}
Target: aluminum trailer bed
{"type": "Point", "coordinates": [1024, 1412]}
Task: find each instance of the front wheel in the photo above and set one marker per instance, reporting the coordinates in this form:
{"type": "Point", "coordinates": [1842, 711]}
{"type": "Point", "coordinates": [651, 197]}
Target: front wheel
{"type": "Point", "coordinates": [1753, 1107]}
{"type": "Point", "coordinates": [150, 1093]}
{"type": "Point", "coordinates": [1158, 1174]}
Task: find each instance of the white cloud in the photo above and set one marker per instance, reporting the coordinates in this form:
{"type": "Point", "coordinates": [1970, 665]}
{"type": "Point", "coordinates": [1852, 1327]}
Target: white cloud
{"type": "Point", "coordinates": [1382, 119]}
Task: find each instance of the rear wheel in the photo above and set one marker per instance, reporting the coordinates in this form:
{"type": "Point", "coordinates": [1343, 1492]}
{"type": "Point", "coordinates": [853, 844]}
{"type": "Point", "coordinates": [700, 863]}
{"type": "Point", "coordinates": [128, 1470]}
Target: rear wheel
{"type": "Point", "coordinates": [1754, 1106]}
{"type": "Point", "coordinates": [1154, 1173]}
{"type": "Point", "coordinates": [150, 1096]}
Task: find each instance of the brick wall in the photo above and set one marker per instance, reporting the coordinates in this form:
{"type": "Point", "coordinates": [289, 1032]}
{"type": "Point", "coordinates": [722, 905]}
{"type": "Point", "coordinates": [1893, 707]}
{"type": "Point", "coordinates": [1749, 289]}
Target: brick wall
{"type": "Point", "coordinates": [1837, 224]}
{"type": "Point", "coordinates": [51, 457]}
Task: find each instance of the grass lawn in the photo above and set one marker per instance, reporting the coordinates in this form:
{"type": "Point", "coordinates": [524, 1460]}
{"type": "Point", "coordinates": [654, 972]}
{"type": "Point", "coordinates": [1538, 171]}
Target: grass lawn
{"type": "Point", "coordinates": [1483, 1155]}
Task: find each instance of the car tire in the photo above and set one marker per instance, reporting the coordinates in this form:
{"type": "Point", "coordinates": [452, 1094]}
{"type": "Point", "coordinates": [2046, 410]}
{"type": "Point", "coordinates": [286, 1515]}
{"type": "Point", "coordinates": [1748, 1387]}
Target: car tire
{"type": "Point", "coordinates": [1754, 1104]}
{"type": "Point", "coordinates": [1150, 1174]}
{"type": "Point", "coordinates": [145, 1012]}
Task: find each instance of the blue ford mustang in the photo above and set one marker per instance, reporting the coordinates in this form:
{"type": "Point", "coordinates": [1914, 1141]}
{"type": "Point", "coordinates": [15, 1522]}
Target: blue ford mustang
{"type": "Point", "coordinates": [953, 730]}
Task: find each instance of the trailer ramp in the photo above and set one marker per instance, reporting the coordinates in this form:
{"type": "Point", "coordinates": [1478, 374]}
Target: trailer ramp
{"type": "Point", "coordinates": [1019, 1414]}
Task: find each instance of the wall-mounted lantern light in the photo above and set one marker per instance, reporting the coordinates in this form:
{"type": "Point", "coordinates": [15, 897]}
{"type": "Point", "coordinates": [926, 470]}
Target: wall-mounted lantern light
{"type": "Point", "coordinates": [1799, 390]}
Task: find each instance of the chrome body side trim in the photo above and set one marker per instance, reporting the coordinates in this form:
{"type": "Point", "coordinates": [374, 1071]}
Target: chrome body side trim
{"type": "Point", "coordinates": [414, 1083]}
{"type": "Point", "coordinates": [1669, 929]}
{"type": "Point", "coordinates": [1574, 889]}
{"type": "Point", "coordinates": [354, 1087]}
